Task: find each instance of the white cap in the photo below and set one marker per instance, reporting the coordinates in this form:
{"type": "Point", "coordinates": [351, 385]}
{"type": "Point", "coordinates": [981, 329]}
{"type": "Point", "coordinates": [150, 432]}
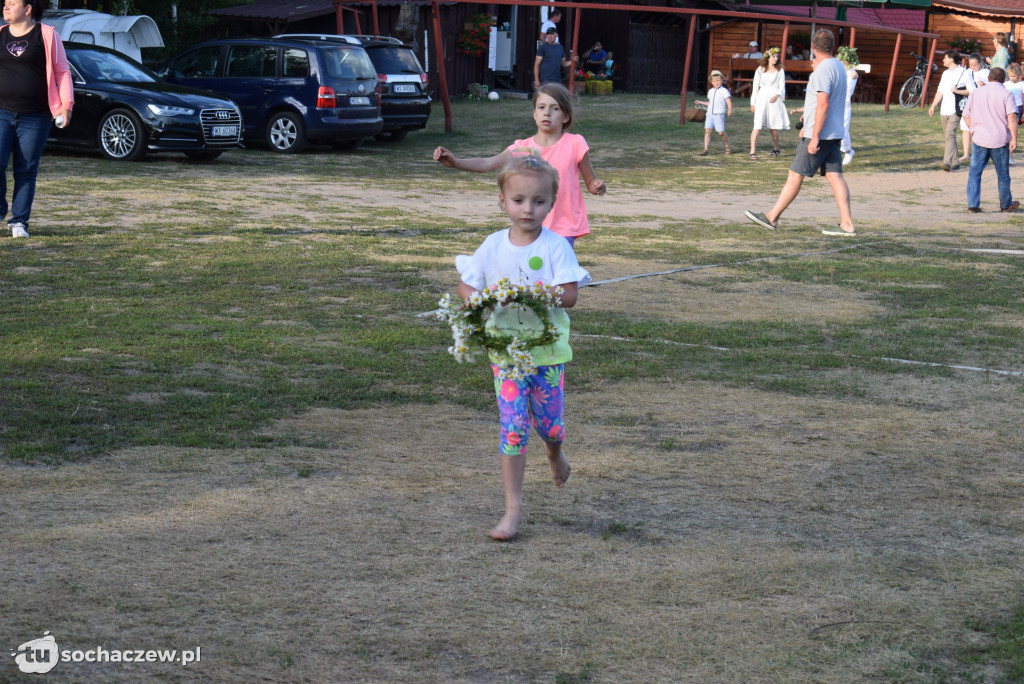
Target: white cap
{"type": "Point", "coordinates": [752, 43]}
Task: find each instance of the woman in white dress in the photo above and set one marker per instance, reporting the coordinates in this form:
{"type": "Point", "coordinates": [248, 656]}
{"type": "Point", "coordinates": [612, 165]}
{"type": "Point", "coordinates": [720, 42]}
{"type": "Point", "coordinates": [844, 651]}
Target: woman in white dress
{"type": "Point", "coordinates": [848, 56]}
{"type": "Point", "coordinates": [768, 101]}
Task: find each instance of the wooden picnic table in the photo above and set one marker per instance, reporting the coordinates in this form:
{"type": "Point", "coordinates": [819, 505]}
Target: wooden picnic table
{"type": "Point", "coordinates": [740, 77]}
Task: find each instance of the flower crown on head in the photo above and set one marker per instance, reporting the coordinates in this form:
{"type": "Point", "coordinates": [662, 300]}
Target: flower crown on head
{"type": "Point", "coordinates": [773, 51]}
{"type": "Point", "coordinates": [848, 55]}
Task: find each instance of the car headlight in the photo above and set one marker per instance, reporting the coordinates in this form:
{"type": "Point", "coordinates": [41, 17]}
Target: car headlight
{"type": "Point", "coordinates": [166, 110]}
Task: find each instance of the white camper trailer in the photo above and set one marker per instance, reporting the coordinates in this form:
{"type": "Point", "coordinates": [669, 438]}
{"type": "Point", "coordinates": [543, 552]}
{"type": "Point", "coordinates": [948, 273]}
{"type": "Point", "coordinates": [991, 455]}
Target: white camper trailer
{"type": "Point", "coordinates": [125, 34]}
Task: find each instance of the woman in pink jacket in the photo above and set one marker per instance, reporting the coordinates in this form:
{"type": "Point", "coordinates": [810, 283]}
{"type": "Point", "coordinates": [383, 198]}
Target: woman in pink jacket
{"type": "Point", "coordinates": [35, 92]}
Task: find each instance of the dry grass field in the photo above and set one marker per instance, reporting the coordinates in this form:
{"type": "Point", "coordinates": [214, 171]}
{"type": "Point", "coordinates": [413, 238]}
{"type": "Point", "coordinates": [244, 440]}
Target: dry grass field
{"type": "Point", "coordinates": [224, 426]}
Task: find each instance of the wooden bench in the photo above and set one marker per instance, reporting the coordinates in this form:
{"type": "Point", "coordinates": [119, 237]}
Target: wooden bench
{"type": "Point", "coordinates": [740, 77]}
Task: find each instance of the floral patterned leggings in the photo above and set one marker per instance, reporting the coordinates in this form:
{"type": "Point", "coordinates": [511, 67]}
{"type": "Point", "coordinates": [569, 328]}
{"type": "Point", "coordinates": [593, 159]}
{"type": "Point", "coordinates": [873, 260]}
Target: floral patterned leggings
{"type": "Point", "coordinates": [538, 400]}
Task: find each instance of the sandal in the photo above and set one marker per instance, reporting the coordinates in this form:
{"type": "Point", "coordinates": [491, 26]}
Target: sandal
{"type": "Point", "coordinates": [728, 150]}
{"type": "Point", "coordinates": [702, 153]}
{"type": "Point", "coordinates": [775, 153]}
{"type": "Point", "coordinates": [753, 157]}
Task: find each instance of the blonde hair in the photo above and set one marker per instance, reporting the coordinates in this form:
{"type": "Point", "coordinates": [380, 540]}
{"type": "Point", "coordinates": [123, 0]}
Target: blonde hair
{"type": "Point", "coordinates": [1001, 38]}
{"type": "Point", "coordinates": [1015, 70]}
{"type": "Point", "coordinates": [560, 94]}
{"type": "Point", "coordinates": [528, 160]}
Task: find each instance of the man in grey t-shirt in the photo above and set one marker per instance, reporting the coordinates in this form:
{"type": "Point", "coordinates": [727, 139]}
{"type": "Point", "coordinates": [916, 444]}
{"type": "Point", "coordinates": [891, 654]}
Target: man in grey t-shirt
{"type": "Point", "coordinates": [823, 135]}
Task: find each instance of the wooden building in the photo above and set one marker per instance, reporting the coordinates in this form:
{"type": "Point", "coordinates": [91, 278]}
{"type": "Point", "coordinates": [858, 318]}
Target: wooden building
{"type": "Point", "coordinates": [876, 48]}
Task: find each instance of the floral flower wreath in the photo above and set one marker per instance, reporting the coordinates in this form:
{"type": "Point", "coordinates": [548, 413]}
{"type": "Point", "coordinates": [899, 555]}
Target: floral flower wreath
{"type": "Point", "coordinates": [848, 55]}
{"type": "Point", "coordinates": [772, 51]}
{"type": "Point", "coordinates": [468, 324]}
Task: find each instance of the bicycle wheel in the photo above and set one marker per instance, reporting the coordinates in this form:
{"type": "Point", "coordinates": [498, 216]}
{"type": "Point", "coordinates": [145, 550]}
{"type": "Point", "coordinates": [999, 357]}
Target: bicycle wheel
{"type": "Point", "coordinates": [910, 93]}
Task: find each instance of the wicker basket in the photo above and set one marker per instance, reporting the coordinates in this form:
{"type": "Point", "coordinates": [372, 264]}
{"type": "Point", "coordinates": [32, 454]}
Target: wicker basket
{"type": "Point", "coordinates": [698, 114]}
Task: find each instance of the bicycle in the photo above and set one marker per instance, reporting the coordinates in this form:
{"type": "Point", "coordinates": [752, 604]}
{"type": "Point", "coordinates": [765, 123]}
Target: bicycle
{"type": "Point", "coordinates": [913, 87]}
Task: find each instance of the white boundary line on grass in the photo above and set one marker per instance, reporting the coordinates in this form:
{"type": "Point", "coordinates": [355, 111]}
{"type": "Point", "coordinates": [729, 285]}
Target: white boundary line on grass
{"type": "Point", "coordinates": [754, 261]}
{"type": "Point", "coordinates": [883, 358]}
{"type": "Point", "coordinates": [734, 263]}
{"type": "Point", "coordinates": [701, 266]}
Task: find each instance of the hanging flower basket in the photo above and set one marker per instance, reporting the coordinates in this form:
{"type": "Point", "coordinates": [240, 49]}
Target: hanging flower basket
{"type": "Point", "coordinates": [475, 35]}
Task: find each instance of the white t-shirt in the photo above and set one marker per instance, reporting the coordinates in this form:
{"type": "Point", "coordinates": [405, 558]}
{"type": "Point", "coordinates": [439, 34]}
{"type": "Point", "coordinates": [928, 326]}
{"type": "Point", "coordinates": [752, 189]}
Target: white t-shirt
{"type": "Point", "coordinates": [979, 75]}
{"type": "Point", "coordinates": [957, 77]}
{"type": "Point", "coordinates": [1017, 90]}
{"type": "Point", "coordinates": [548, 259]}
{"type": "Point", "coordinates": [717, 104]}
{"type": "Point", "coordinates": [546, 25]}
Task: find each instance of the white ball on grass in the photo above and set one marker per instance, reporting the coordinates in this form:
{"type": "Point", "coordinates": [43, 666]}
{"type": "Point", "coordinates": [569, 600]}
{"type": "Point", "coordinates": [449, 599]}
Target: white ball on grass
{"type": "Point", "coordinates": [493, 96]}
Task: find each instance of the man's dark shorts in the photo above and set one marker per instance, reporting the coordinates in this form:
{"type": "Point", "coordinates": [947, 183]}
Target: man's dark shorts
{"type": "Point", "coordinates": [829, 158]}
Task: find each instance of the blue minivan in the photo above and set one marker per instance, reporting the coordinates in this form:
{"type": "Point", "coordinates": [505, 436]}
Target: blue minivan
{"type": "Point", "coordinates": [291, 91]}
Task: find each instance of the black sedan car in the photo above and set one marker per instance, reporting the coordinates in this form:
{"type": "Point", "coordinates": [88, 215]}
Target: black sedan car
{"type": "Point", "coordinates": [127, 111]}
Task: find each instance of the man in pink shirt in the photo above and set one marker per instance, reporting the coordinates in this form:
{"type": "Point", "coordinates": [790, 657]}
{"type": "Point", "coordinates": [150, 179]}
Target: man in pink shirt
{"type": "Point", "coordinates": [991, 117]}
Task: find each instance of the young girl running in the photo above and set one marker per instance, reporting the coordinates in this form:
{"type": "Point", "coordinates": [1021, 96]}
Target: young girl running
{"type": "Point", "coordinates": [566, 152]}
{"type": "Point", "coordinates": [528, 252]}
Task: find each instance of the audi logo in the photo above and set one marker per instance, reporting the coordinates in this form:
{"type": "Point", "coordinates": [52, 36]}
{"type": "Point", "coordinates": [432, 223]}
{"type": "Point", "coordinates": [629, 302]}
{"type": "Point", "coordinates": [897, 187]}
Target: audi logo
{"type": "Point", "coordinates": [223, 115]}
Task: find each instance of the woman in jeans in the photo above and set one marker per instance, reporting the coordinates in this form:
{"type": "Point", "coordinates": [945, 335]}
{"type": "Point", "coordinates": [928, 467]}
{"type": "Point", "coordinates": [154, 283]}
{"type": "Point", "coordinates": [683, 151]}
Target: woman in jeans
{"type": "Point", "coordinates": [35, 90]}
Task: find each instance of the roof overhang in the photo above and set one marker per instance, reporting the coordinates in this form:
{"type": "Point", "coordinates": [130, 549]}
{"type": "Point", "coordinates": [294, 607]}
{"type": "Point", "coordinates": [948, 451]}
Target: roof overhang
{"type": "Point", "coordinates": [987, 9]}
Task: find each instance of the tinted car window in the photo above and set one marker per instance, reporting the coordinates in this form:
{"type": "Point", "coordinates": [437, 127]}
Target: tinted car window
{"type": "Point", "coordinates": [395, 61]}
{"type": "Point", "coordinates": [341, 63]}
{"type": "Point", "coordinates": [103, 66]}
{"type": "Point", "coordinates": [251, 60]}
{"type": "Point", "coordinates": [296, 63]}
{"type": "Point", "coordinates": [201, 63]}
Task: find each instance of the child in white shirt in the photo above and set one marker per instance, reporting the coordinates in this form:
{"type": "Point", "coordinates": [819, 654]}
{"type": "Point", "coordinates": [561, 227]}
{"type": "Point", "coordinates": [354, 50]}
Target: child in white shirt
{"type": "Point", "coordinates": [719, 104]}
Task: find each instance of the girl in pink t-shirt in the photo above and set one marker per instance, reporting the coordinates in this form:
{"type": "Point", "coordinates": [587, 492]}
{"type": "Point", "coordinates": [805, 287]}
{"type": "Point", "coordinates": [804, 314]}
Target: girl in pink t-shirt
{"type": "Point", "coordinates": [568, 153]}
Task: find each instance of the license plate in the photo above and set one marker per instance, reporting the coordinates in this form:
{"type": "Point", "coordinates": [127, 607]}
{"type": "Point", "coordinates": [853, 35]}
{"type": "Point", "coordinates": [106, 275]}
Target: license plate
{"type": "Point", "coordinates": [405, 87]}
{"type": "Point", "coordinates": [359, 100]}
{"type": "Point", "coordinates": [225, 131]}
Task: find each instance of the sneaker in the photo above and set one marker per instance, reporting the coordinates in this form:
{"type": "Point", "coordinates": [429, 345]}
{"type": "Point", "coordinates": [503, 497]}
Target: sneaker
{"type": "Point", "coordinates": [760, 219]}
{"type": "Point", "coordinates": [839, 231]}
{"type": "Point", "coordinates": [18, 230]}
{"type": "Point", "coordinates": [848, 157]}
{"type": "Point", "coordinates": [945, 167]}
{"type": "Point", "coordinates": [974, 210]}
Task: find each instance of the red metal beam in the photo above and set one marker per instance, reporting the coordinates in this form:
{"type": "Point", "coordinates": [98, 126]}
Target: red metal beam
{"type": "Point", "coordinates": [376, 24]}
{"type": "Point", "coordinates": [441, 77]}
{"type": "Point", "coordinates": [928, 74]}
{"type": "Point", "coordinates": [892, 70]}
{"type": "Point", "coordinates": [574, 53]}
{"type": "Point", "coordinates": [686, 70]}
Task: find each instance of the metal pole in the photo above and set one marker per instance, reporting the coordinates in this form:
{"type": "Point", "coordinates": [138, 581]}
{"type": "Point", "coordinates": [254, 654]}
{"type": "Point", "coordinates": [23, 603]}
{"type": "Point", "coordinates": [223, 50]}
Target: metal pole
{"type": "Point", "coordinates": [376, 24]}
{"type": "Point", "coordinates": [892, 71]}
{"type": "Point", "coordinates": [686, 69]}
{"type": "Point", "coordinates": [928, 75]}
{"type": "Point", "coordinates": [442, 78]}
{"type": "Point", "coordinates": [574, 54]}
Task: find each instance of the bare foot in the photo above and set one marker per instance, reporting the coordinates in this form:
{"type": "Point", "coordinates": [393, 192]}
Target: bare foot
{"type": "Point", "coordinates": [506, 529]}
{"type": "Point", "coordinates": [560, 468]}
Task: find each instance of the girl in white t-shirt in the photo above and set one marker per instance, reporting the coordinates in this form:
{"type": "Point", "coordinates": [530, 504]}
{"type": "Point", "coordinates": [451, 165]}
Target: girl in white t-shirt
{"type": "Point", "coordinates": [567, 152]}
{"type": "Point", "coordinates": [527, 252]}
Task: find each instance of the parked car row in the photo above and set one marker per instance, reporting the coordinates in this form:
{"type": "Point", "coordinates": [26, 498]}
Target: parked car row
{"type": "Point", "coordinates": [286, 91]}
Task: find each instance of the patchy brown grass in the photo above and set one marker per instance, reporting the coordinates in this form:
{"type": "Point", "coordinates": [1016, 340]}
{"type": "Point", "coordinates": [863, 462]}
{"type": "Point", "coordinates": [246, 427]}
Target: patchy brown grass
{"type": "Point", "coordinates": [708, 534]}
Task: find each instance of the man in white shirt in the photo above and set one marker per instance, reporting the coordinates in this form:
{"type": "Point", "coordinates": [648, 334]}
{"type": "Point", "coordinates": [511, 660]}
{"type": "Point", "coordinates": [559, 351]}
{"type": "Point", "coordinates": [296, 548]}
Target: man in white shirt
{"type": "Point", "coordinates": [554, 16]}
{"type": "Point", "coordinates": [754, 52]}
{"type": "Point", "coordinates": [955, 81]}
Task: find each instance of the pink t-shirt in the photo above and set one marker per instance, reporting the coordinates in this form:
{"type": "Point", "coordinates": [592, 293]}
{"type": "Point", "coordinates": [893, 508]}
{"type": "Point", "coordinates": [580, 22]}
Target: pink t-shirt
{"type": "Point", "coordinates": [568, 215]}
